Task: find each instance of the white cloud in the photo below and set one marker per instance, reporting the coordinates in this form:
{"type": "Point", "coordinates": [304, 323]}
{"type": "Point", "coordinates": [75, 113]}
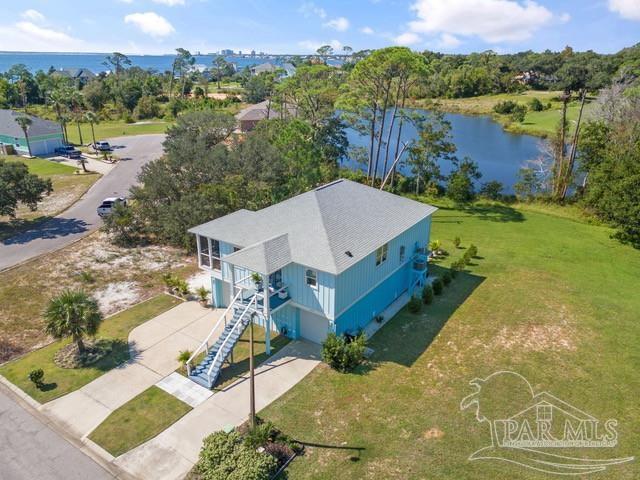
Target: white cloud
{"type": "Point", "coordinates": [367, 30]}
{"type": "Point", "coordinates": [629, 9]}
{"type": "Point", "coordinates": [447, 41]}
{"type": "Point", "coordinates": [340, 24]}
{"type": "Point", "coordinates": [491, 20]}
{"type": "Point", "coordinates": [32, 15]}
{"type": "Point", "coordinates": [28, 37]}
{"type": "Point", "coordinates": [170, 3]}
{"type": "Point", "coordinates": [313, 45]}
{"type": "Point", "coordinates": [150, 23]}
{"type": "Point", "coordinates": [307, 9]}
{"type": "Point", "coordinates": [564, 18]}
{"type": "Point", "coordinates": [407, 38]}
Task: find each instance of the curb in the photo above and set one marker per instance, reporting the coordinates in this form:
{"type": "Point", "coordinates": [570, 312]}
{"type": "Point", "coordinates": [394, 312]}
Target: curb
{"type": "Point", "coordinates": [86, 446]}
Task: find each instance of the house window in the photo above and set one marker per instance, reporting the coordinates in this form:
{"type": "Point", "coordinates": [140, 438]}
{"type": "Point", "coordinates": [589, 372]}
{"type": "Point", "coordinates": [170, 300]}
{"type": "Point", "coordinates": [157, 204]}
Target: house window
{"type": "Point", "coordinates": [381, 254]}
{"type": "Point", "coordinates": [544, 413]}
{"type": "Point", "coordinates": [205, 254]}
{"type": "Point", "coordinates": [311, 278]}
{"type": "Point", "coordinates": [275, 279]}
{"type": "Point", "coordinates": [402, 255]}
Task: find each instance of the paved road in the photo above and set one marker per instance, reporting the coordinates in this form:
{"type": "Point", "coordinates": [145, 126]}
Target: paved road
{"type": "Point", "coordinates": [30, 449]}
{"type": "Point", "coordinates": [81, 219]}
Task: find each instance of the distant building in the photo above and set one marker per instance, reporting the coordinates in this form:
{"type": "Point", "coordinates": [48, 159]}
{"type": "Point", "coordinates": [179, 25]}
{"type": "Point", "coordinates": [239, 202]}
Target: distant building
{"type": "Point", "coordinates": [79, 75]}
{"type": "Point", "coordinates": [289, 69]}
{"type": "Point", "coordinates": [226, 52]}
{"type": "Point", "coordinates": [253, 53]}
{"type": "Point", "coordinates": [44, 135]}
{"type": "Point", "coordinates": [250, 117]}
{"type": "Point", "coordinates": [263, 68]}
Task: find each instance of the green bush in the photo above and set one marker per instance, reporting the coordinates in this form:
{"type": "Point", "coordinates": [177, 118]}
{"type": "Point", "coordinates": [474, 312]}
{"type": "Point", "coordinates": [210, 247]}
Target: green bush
{"type": "Point", "coordinates": [427, 294]}
{"type": "Point", "coordinates": [536, 105]}
{"type": "Point", "coordinates": [37, 377]}
{"type": "Point", "coordinates": [505, 108]}
{"type": "Point", "coordinates": [437, 286]}
{"type": "Point", "coordinates": [342, 355]}
{"type": "Point", "coordinates": [183, 356]}
{"type": "Point", "coordinates": [466, 258]}
{"type": "Point", "coordinates": [414, 305]}
{"type": "Point", "coordinates": [203, 294]}
{"type": "Point", "coordinates": [458, 266]}
{"type": "Point", "coordinates": [446, 278]}
{"type": "Point", "coordinates": [261, 435]}
{"type": "Point", "coordinates": [226, 456]}
{"type": "Point", "coordinates": [456, 242]}
{"type": "Point", "coordinates": [472, 251]}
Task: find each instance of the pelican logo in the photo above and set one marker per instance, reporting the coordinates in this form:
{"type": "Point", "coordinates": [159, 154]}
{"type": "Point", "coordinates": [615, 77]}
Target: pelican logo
{"type": "Point", "coordinates": [541, 421]}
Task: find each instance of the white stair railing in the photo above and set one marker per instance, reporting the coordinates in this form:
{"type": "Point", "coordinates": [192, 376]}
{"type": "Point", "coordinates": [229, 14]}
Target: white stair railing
{"type": "Point", "coordinates": [253, 300]}
{"type": "Point", "coordinates": [205, 344]}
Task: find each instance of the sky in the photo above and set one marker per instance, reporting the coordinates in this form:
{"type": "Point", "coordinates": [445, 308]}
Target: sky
{"type": "Point", "coordinates": [300, 26]}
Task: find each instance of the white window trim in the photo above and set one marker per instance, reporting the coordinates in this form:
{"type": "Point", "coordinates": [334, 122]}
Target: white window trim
{"type": "Point", "coordinates": [384, 254]}
{"type": "Point", "coordinates": [315, 277]}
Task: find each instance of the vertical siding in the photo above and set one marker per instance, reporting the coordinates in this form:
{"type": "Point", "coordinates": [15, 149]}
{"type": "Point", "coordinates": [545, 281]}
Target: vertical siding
{"type": "Point", "coordinates": [288, 317]}
{"type": "Point", "coordinates": [321, 299]}
{"type": "Point", "coordinates": [364, 275]}
{"type": "Point", "coordinates": [373, 303]}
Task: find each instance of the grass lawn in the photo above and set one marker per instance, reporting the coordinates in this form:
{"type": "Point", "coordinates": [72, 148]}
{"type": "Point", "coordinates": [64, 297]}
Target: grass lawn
{"type": "Point", "coordinates": [67, 188]}
{"type": "Point", "coordinates": [138, 420]}
{"type": "Point", "coordinates": [114, 129]}
{"type": "Point", "coordinates": [240, 365]}
{"type": "Point", "coordinates": [541, 123]}
{"type": "Point", "coordinates": [60, 381]}
{"type": "Point", "coordinates": [552, 298]}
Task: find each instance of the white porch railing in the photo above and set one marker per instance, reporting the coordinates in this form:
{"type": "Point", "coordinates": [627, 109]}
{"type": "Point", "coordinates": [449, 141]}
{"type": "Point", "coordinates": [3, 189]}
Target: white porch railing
{"type": "Point", "coordinates": [254, 300]}
{"type": "Point", "coordinates": [205, 343]}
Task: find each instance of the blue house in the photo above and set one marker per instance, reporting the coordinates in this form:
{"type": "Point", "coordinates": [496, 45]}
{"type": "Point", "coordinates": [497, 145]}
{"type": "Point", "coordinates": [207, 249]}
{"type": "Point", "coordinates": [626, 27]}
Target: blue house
{"type": "Point", "coordinates": [328, 260]}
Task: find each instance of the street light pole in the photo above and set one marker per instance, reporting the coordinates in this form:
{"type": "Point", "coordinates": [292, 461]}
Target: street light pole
{"type": "Point", "coordinates": [252, 391]}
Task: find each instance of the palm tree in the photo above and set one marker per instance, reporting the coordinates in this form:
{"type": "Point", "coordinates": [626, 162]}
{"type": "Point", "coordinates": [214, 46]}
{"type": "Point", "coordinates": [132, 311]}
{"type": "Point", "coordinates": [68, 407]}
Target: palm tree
{"type": "Point", "coordinates": [92, 118]}
{"type": "Point", "coordinates": [73, 314]}
{"type": "Point", "coordinates": [59, 99]}
{"type": "Point", "coordinates": [25, 122]}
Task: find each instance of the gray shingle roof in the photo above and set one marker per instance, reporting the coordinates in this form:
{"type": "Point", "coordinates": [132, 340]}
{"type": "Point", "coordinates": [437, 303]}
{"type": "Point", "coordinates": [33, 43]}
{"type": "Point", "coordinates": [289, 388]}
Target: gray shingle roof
{"type": "Point", "coordinates": [40, 126]}
{"type": "Point", "coordinates": [321, 226]}
{"type": "Point", "coordinates": [265, 256]}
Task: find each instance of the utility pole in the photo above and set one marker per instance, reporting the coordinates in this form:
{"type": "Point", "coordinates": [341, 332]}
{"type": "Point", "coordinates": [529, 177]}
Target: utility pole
{"type": "Point", "coordinates": [252, 391]}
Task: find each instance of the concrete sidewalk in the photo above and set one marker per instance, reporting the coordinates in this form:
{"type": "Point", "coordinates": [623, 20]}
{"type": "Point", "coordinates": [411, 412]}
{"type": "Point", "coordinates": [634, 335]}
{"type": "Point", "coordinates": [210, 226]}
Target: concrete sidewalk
{"type": "Point", "coordinates": [154, 347]}
{"type": "Point", "coordinates": [172, 453]}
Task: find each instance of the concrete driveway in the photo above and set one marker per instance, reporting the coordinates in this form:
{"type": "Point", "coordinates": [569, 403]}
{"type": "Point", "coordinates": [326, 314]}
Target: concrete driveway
{"type": "Point", "coordinates": [173, 453]}
{"type": "Point", "coordinates": [154, 346]}
{"type": "Point", "coordinates": [81, 219]}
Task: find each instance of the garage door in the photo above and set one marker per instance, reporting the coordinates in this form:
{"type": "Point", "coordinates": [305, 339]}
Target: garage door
{"type": "Point", "coordinates": [313, 327]}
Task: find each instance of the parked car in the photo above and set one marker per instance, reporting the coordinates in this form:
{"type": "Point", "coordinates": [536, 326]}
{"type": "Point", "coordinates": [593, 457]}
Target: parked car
{"type": "Point", "coordinates": [68, 151]}
{"type": "Point", "coordinates": [108, 204]}
{"type": "Point", "coordinates": [102, 146]}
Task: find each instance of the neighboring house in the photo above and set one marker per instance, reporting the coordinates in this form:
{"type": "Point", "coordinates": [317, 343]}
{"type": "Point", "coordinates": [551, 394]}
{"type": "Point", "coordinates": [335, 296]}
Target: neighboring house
{"type": "Point", "coordinates": [79, 75]}
{"type": "Point", "coordinates": [249, 117]}
{"type": "Point", "coordinates": [44, 135]}
{"type": "Point", "coordinates": [289, 69]}
{"type": "Point", "coordinates": [263, 68]}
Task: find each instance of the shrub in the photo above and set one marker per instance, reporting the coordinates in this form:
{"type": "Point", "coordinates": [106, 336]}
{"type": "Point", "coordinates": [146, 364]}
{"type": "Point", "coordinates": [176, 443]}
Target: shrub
{"type": "Point", "coordinates": [536, 105]}
{"type": "Point", "coordinates": [519, 113]}
{"type": "Point", "coordinates": [466, 258]}
{"type": "Point", "coordinates": [414, 305]}
{"type": "Point", "coordinates": [342, 355]}
{"type": "Point", "coordinates": [147, 107]}
{"type": "Point", "coordinates": [183, 356]}
{"type": "Point", "coordinates": [472, 250]}
{"type": "Point", "coordinates": [458, 266]}
{"type": "Point", "coordinates": [203, 294]}
{"type": "Point", "coordinates": [452, 271]}
{"type": "Point", "coordinates": [446, 278]}
{"type": "Point", "coordinates": [37, 377]}
{"type": "Point", "coordinates": [492, 190]}
{"type": "Point", "coordinates": [437, 286]}
{"type": "Point", "coordinates": [261, 434]}
{"type": "Point", "coordinates": [182, 287]}
{"type": "Point", "coordinates": [456, 242]}
{"type": "Point", "coordinates": [87, 277]}
{"type": "Point", "coordinates": [505, 107]}
{"type": "Point", "coordinates": [226, 456]}
{"type": "Point", "coordinates": [427, 294]}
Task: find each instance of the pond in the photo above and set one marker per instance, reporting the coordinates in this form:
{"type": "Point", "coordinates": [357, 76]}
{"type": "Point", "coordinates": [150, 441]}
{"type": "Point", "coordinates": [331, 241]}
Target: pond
{"type": "Point", "coordinates": [499, 154]}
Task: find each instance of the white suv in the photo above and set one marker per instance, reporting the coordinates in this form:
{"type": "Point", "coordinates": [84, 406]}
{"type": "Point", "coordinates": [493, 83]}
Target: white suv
{"type": "Point", "coordinates": [107, 205]}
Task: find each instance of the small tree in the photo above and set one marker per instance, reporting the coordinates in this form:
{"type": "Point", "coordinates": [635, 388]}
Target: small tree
{"type": "Point", "coordinates": [25, 123]}
{"type": "Point", "coordinates": [414, 305]}
{"type": "Point", "coordinates": [342, 355]}
{"type": "Point", "coordinates": [37, 377]}
{"type": "Point", "coordinates": [536, 105]}
{"type": "Point", "coordinates": [203, 294]}
{"type": "Point", "coordinates": [73, 314]}
{"type": "Point", "coordinates": [446, 278]}
{"type": "Point", "coordinates": [92, 118]}
{"type": "Point", "coordinates": [491, 190]}
{"type": "Point", "coordinates": [456, 242]}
